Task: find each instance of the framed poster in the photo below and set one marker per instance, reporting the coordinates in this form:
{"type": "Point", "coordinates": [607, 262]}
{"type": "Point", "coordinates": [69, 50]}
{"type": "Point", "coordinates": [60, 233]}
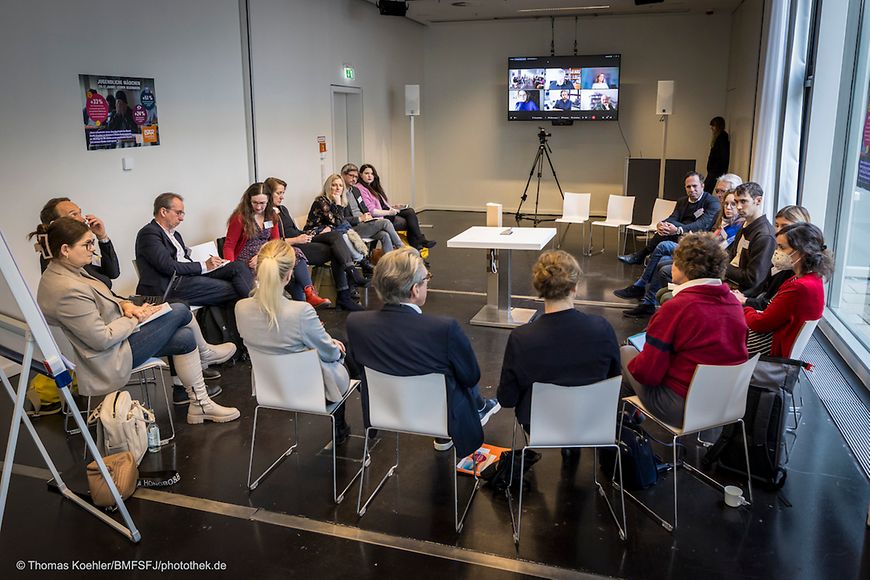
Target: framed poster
{"type": "Point", "coordinates": [119, 111]}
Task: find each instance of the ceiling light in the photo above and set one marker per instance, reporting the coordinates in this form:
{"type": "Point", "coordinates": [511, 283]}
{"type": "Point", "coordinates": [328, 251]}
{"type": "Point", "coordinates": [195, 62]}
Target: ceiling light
{"type": "Point", "coordinates": [601, 7]}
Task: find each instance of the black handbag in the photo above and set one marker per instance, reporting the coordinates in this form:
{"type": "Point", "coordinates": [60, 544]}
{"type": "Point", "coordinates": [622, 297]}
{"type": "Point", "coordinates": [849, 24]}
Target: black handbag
{"type": "Point", "coordinates": [640, 468]}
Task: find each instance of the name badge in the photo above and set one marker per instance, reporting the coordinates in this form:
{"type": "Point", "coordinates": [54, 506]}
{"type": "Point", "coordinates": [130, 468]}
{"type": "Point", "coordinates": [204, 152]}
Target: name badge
{"type": "Point", "coordinates": [96, 260]}
{"type": "Point", "coordinates": [699, 213]}
{"type": "Point", "coordinates": [267, 225]}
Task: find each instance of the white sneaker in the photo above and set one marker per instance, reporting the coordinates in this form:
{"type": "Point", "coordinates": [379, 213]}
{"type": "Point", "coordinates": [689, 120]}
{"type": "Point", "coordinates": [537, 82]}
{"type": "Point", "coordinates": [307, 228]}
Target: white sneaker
{"type": "Point", "coordinates": [216, 354]}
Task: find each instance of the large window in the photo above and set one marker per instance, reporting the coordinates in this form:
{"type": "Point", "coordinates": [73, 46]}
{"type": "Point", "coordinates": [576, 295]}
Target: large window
{"type": "Point", "coordinates": [849, 298]}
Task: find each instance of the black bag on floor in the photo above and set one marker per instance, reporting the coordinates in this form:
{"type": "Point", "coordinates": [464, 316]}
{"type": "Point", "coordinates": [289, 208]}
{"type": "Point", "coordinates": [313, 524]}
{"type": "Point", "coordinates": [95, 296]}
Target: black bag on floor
{"type": "Point", "coordinates": [640, 469]}
{"type": "Point", "coordinates": [765, 425]}
{"type": "Point", "coordinates": [218, 325]}
{"type": "Point", "coordinates": [498, 475]}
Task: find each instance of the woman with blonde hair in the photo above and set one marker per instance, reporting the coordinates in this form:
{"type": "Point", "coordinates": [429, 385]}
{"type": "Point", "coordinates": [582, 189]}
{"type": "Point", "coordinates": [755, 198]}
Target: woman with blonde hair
{"type": "Point", "coordinates": [563, 346]}
{"type": "Point", "coordinates": [272, 325]}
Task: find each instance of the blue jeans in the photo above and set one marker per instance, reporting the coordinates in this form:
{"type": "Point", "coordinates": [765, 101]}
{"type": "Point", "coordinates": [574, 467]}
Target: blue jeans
{"type": "Point", "coordinates": [664, 249]}
{"type": "Point", "coordinates": [660, 280]}
{"type": "Point", "coordinates": [300, 281]}
{"type": "Point", "coordinates": [165, 336]}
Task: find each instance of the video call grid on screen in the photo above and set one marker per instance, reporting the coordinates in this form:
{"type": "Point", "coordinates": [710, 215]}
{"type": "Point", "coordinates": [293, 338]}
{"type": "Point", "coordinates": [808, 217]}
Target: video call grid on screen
{"type": "Point", "coordinates": [551, 88]}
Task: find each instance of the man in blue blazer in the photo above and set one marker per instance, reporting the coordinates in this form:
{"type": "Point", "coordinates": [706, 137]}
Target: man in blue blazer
{"type": "Point", "coordinates": [694, 213]}
{"type": "Point", "coordinates": [160, 253]}
{"type": "Point", "coordinates": [402, 341]}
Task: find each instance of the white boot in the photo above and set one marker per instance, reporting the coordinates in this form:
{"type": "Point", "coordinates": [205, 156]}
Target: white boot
{"type": "Point", "coordinates": [211, 354]}
{"type": "Point", "coordinates": [201, 408]}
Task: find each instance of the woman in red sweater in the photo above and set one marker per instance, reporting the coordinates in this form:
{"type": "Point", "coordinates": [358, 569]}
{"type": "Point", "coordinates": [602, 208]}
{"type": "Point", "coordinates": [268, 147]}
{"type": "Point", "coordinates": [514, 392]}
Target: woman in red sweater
{"type": "Point", "coordinates": [701, 324]}
{"type": "Point", "coordinates": [248, 230]}
{"type": "Point", "coordinates": [801, 248]}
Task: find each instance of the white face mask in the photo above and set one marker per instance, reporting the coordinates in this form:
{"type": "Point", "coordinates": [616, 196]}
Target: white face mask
{"type": "Point", "coordinates": [782, 260]}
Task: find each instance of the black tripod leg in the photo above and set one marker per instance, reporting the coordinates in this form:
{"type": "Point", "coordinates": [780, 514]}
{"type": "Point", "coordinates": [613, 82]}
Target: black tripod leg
{"type": "Point", "coordinates": [518, 216]}
{"type": "Point", "coordinates": [555, 177]}
{"type": "Point", "coordinates": [538, 189]}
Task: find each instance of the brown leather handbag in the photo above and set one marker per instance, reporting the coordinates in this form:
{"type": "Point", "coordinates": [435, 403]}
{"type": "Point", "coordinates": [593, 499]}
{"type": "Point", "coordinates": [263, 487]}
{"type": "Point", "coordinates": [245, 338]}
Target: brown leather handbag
{"type": "Point", "coordinates": [122, 467]}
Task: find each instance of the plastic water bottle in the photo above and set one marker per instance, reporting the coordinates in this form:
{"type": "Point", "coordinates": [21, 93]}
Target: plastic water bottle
{"type": "Point", "coordinates": [153, 437]}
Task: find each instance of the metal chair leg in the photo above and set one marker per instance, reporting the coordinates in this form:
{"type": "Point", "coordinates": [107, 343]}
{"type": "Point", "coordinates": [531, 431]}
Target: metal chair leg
{"type": "Point", "coordinates": [362, 510]}
{"type": "Point", "coordinates": [281, 458]}
{"type": "Point", "coordinates": [623, 529]}
{"type": "Point", "coordinates": [459, 522]}
{"type": "Point", "coordinates": [338, 498]}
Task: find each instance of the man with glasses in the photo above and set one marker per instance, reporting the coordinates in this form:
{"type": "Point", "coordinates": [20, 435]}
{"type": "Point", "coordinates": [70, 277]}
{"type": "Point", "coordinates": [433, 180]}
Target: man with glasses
{"type": "Point", "coordinates": [400, 340]}
{"type": "Point", "coordinates": [366, 225]}
{"type": "Point", "coordinates": [160, 253]}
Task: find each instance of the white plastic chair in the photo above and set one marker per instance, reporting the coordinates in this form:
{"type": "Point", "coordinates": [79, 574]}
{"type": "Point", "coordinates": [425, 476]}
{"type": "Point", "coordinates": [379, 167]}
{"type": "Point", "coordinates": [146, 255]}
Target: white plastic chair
{"type": "Point", "coordinates": [582, 416]}
{"type": "Point", "coordinates": [716, 397]}
{"type": "Point", "coordinates": [414, 405]}
{"type": "Point", "coordinates": [575, 210]}
{"type": "Point", "coordinates": [619, 211]}
{"type": "Point", "coordinates": [661, 210]}
{"type": "Point", "coordinates": [797, 351]}
{"type": "Point", "coordinates": [148, 373]}
{"type": "Point", "coordinates": [293, 382]}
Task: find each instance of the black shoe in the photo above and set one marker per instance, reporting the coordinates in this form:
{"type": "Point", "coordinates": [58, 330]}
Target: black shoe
{"type": "Point", "coordinates": [179, 395]}
{"type": "Point", "coordinates": [642, 310]}
{"type": "Point", "coordinates": [343, 301]}
{"type": "Point", "coordinates": [635, 258]}
{"type": "Point", "coordinates": [367, 267]}
{"type": "Point", "coordinates": [356, 278]}
{"type": "Point", "coordinates": [442, 444]}
{"type": "Point", "coordinates": [211, 374]}
{"type": "Point", "coordinates": [428, 243]}
{"type": "Point", "coordinates": [630, 292]}
{"type": "Point", "coordinates": [373, 434]}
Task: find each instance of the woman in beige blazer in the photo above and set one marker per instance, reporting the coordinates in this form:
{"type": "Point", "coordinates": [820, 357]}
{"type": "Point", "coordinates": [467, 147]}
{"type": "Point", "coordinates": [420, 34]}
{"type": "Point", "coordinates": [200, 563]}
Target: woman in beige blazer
{"type": "Point", "coordinates": [105, 332]}
{"type": "Point", "coordinates": [272, 324]}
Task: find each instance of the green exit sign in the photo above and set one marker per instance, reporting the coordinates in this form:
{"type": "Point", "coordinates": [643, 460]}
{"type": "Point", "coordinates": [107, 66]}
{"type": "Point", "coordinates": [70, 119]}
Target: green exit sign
{"type": "Point", "coordinates": [349, 73]}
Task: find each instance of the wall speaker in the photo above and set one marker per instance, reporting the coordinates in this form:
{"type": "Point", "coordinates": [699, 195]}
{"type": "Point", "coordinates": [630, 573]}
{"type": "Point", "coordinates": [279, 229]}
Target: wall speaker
{"type": "Point", "coordinates": [665, 98]}
{"type": "Point", "coordinates": [392, 8]}
{"type": "Point", "coordinates": [412, 99]}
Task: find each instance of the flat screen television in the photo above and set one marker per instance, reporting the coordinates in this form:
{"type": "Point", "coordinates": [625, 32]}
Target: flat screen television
{"type": "Point", "coordinates": [563, 88]}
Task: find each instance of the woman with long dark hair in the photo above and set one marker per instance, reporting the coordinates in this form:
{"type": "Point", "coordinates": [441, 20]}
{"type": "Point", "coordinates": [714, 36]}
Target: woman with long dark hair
{"type": "Point", "coordinates": [801, 248]}
{"type": "Point", "coordinates": [104, 330]}
{"type": "Point", "coordinates": [403, 217]}
{"type": "Point", "coordinates": [250, 226]}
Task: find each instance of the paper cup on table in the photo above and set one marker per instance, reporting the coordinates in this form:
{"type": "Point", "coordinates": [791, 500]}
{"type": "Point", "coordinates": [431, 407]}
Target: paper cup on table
{"type": "Point", "coordinates": [734, 496]}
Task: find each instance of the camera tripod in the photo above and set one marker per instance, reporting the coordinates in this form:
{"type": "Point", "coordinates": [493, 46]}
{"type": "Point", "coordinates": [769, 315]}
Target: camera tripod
{"type": "Point", "coordinates": [538, 166]}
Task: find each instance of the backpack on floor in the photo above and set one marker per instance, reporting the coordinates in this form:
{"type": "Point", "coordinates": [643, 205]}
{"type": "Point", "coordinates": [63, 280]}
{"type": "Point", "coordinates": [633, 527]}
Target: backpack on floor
{"type": "Point", "coordinates": [640, 468]}
{"type": "Point", "coordinates": [765, 425]}
{"type": "Point", "coordinates": [218, 325]}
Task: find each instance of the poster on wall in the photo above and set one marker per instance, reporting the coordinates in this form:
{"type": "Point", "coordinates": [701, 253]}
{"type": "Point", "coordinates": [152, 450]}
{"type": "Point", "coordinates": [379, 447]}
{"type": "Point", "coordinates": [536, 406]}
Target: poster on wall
{"type": "Point", "coordinates": [864, 158]}
{"type": "Point", "coordinates": [119, 111]}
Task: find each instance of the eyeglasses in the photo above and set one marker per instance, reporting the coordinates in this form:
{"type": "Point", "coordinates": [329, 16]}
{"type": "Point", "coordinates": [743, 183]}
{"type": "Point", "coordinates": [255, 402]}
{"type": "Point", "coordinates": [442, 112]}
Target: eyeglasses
{"type": "Point", "coordinates": [178, 212]}
{"type": "Point", "coordinates": [426, 279]}
{"type": "Point", "coordinates": [89, 245]}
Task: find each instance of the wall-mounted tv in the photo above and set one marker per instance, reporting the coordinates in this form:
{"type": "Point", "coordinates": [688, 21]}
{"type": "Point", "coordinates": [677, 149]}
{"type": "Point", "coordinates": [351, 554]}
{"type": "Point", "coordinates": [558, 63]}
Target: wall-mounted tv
{"type": "Point", "coordinates": [563, 88]}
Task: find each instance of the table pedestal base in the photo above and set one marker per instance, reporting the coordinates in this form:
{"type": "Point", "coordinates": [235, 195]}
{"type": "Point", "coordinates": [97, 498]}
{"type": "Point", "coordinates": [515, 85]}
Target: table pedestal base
{"type": "Point", "coordinates": [491, 315]}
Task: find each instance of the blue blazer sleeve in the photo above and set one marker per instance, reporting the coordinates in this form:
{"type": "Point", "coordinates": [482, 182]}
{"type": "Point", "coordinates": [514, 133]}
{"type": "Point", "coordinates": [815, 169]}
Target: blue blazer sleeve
{"type": "Point", "coordinates": [462, 358]}
{"type": "Point", "coordinates": [109, 265]}
{"type": "Point", "coordinates": [151, 248]}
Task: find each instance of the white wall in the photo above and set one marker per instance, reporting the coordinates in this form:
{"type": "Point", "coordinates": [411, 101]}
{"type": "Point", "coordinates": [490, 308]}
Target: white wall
{"type": "Point", "coordinates": [191, 48]}
{"type": "Point", "coordinates": [742, 83]}
{"type": "Point", "coordinates": [474, 155]}
{"type": "Point", "coordinates": [298, 49]}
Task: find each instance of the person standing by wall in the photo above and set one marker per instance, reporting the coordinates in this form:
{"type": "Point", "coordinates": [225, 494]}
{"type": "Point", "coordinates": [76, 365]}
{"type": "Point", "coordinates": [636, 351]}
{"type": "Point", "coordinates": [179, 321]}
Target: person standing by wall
{"type": "Point", "coordinates": [720, 153]}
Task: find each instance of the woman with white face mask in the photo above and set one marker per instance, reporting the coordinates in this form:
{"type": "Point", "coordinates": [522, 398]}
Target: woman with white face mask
{"type": "Point", "coordinates": [790, 214]}
{"type": "Point", "coordinates": [801, 248]}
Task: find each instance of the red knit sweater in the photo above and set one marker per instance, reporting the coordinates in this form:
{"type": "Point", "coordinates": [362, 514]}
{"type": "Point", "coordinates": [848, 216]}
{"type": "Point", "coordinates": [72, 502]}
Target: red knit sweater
{"type": "Point", "coordinates": [700, 325]}
{"type": "Point", "coordinates": [798, 300]}
{"type": "Point", "coordinates": [236, 237]}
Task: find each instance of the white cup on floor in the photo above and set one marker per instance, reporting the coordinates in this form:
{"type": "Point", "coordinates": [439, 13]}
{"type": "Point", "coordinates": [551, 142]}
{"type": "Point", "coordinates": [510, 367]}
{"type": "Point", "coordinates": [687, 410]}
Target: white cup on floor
{"type": "Point", "coordinates": [734, 496]}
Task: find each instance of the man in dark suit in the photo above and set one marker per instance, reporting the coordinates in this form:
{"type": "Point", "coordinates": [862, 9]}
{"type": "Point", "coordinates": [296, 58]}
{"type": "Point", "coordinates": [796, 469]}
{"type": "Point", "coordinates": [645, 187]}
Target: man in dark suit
{"type": "Point", "coordinates": [105, 266]}
{"type": "Point", "coordinates": [694, 213]}
{"type": "Point", "coordinates": [402, 341]}
{"type": "Point", "coordinates": [160, 253]}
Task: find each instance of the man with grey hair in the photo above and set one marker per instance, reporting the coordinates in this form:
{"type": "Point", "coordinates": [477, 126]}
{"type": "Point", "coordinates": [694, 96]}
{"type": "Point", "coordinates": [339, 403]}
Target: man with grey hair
{"type": "Point", "coordinates": [726, 183]}
{"type": "Point", "coordinates": [647, 286]}
{"type": "Point", "coordinates": [400, 340]}
{"type": "Point", "coordinates": [363, 222]}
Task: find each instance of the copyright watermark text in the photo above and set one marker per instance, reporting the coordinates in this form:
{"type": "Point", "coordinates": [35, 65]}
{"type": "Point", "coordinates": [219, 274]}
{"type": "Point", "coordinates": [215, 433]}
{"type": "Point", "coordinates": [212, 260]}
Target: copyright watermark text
{"type": "Point", "coordinates": [121, 565]}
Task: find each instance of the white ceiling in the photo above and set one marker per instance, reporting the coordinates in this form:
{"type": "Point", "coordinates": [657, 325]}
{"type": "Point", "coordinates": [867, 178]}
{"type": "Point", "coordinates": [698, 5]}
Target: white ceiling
{"type": "Point", "coordinates": [434, 11]}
